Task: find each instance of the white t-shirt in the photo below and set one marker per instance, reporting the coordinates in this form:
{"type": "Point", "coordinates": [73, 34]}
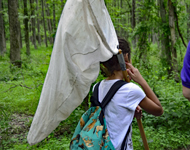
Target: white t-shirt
{"type": "Point", "coordinates": [120, 111]}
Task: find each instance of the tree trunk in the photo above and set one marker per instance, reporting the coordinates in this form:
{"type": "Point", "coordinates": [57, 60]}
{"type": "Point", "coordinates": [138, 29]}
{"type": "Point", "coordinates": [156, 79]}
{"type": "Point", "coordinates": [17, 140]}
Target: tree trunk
{"type": "Point", "coordinates": [44, 23]}
{"type": "Point", "coordinates": [15, 57]}
{"type": "Point", "coordinates": [38, 23]}
{"type": "Point", "coordinates": [133, 21]}
{"type": "Point", "coordinates": [54, 20]}
{"type": "Point", "coordinates": [2, 31]}
{"type": "Point", "coordinates": [133, 14]}
{"type": "Point", "coordinates": [188, 22]}
{"type": "Point", "coordinates": [4, 39]}
{"type": "Point", "coordinates": [49, 23]}
{"type": "Point", "coordinates": [27, 41]}
{"type": "Point", "coordinates": [33, 23]}
{"type": "Point", "coordinates": [173, 40]}
{"type": "Point", "coordinates": [19, 27]}
{"type": "Point", "coordinates": [165, 48]}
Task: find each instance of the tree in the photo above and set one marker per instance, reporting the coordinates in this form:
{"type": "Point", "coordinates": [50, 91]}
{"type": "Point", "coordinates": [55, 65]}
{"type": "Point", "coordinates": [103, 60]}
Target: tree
{"type": "Point", "coordinates": [38, 23]}
{"type": "Point", "coordinates": [188, 21]}
{"type": "Point", "coordinates": [2, 32]}
{"type": "Point", "coordinates": [15, 57]}
{"type": "Point", "coordinates": [19, 27]}
{"type": "Point", "coordinates": [133, 20]}
{"type": "Point", "coordinates": [54, 20]}
{"type": "Point", "coordinates": [164, 30]}
{"type": "Point", "coordinates": [49, 23]}
{"type": "Point", "coordinates": [44, 23]}
{"type": "Point", "coordinates": [27, 41]}
{"type": "Point", "coordinates": [33, 23]}
{"type": "Point", "coordinates": [133, 14]}
{"type": "Point", "coordinates": [173, 39]}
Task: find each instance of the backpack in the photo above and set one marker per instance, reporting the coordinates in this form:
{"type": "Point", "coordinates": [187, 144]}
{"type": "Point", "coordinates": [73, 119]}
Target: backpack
{"type": "Point", "coordinates": [91, 132]}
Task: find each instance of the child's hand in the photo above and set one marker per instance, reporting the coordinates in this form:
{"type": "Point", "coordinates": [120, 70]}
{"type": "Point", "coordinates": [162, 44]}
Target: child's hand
{"type": "Point", "coordinates": [134, 73]}
{"type": "Point", "coordinates": [138, 112]}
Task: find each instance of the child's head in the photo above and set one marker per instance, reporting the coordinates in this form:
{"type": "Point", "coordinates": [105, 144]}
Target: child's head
{"type": "Point", "coordinates": [112, 64]}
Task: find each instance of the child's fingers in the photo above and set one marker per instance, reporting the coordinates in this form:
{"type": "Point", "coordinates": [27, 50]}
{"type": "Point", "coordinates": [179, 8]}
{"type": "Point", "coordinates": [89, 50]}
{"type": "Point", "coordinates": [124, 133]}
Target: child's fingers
{"type": "Point", "coordinates": [129, 72]}
{"type": "Point", "coordinates": [130, 65]}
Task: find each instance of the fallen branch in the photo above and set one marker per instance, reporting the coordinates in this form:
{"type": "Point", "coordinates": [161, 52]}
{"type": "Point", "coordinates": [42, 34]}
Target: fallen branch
{"type": "Point", "coordinates": [15, 85]}
{"type": "Point", "coordinates": [175, 12]}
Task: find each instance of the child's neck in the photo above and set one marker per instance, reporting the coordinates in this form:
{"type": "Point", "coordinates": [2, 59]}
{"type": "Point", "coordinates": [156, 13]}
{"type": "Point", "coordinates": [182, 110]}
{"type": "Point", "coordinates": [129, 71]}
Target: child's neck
{"type": "Point", "coordinates": [116, 75]}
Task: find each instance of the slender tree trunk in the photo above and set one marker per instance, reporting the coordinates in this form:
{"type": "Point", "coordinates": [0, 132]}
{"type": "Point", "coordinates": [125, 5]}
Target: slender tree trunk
{"type": "Point", "coordinates": [4, 39]}
{"type": "Point", "coordinates": [2, 31]}
{"type": "Point", "coordinates": [44, 23]}
{"type": "Point", "coordinates": [133, 14]}
{"type": "Point", "coordinates": [165, 48]}
{"type": "Point", "coordinates": [133, 21]}
{"type": "Point", "coordinates": [27, 41]}
{"type": "Point", "coordinates": [173, 39]}
{"type": "Point", "coordinates": [15, 57]}
{"type": "Point", "coordinates": [188, 22]}
{"type": "Point", "coordinates": [38, 23]}
{"type": "Point", "coordinates": [33, 21]}
{"type": "Point", "coordinates": [19, 27]}
{"type": "Point", "coordinates": [49, 23]}
{"type": "Point", "coordinates": [54, 19]}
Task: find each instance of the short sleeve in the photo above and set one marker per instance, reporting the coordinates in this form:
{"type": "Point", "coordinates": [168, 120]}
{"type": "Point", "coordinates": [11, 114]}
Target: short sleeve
{"type": "Point", "coordinates": [133, 97]}
{"type": "Point", "coordinates": [185, 72]}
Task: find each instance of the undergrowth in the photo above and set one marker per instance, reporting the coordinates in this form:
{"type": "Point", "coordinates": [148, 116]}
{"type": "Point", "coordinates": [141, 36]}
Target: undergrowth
{"type": "Point", "coordinates": [20, 92]}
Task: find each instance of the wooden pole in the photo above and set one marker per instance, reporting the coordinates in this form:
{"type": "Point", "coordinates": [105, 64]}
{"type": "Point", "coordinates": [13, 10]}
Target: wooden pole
{"type": "Point", "coordinates": [143, 136]}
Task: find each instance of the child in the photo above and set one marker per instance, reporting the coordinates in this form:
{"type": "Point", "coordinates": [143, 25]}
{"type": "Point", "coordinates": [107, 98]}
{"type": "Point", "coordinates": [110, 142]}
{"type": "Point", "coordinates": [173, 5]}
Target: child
{"type": "Point", "coordinates": [120, 110]}
{"type": "Point", "coordinates": [185, 74]}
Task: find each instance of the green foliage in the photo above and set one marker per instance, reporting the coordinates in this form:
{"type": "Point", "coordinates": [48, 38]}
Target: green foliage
{"type": "Point", "coordinates": [20, 88]}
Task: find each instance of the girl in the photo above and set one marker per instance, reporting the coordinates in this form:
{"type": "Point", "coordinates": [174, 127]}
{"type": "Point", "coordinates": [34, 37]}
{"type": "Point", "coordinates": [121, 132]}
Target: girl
{"type": "Point", "coordinates": [120, 110]}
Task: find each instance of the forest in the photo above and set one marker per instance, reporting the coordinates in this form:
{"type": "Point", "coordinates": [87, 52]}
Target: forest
{"type": "Point", "coordinates": [158, 32]}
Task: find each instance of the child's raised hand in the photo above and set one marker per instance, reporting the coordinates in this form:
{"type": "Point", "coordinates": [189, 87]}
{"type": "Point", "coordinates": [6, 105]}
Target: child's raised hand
{"type": "Point", "coordinates": [134, 73]}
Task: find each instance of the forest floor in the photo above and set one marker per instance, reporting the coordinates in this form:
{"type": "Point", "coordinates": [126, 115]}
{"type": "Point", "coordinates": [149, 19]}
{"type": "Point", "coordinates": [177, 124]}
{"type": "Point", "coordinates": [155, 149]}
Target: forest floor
{"type": "Point", "coordinates": [20, 125]}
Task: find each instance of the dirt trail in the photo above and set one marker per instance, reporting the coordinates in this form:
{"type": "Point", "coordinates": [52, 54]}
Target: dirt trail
{"type": "Point", "coordinates": [20, 124]}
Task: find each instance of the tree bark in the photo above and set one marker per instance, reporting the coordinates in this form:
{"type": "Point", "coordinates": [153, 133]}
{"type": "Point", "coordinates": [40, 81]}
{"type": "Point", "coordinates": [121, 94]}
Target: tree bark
{"type": "Point", "coordinates": [49, 23]}
{"type": "Point", "coordinates": [38, 23]}
{"type": "Point", "coordinates": [54, 19]}
{"type": "Point", "coordinates": [19, 27]}
{"type": "Point", "coordinates": [4, 39]}
{"type": "Point", "coordinates": [15, 57]}
{"type": "Point", "coordinates": [27, 41]}
{"type": "Point", "coordinates": [173, 39]}
{"type": "Point", "coordinates": [44, 23]}
{"type": "Point", "coordinates": [188, 22]}
{"type": "Point", "coordinates": [33, 23]}
{"type": "Point", "coordinates": [2, 31]}
{"type": "Point", "coordinates": [165, 48]}
{"type": "Point", "coordinates": [133, 14]}
{"type": "Point", "coordinates": [133, 21]}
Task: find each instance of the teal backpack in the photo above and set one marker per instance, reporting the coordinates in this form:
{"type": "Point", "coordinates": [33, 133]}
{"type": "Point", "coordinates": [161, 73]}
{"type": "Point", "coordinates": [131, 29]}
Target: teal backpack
{"type": "Point", "coordinates": [91, 132]}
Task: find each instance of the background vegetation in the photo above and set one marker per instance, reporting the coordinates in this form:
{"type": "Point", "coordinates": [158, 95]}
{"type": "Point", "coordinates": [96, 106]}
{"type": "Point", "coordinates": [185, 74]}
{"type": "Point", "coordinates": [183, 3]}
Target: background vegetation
{"type": "Point", "coordinates": [158, 32]}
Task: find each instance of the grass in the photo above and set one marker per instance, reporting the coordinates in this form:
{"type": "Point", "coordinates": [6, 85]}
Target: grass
{"type": "Point", "coordinates": [20, 92]}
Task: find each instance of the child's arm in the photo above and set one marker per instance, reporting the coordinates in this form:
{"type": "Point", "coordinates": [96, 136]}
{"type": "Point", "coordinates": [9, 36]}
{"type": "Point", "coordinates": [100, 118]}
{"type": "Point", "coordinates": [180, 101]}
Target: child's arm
{"type": "Point", "coordinates": [150, 103]}
{"type": "Point", "coordinates": [186, 92]}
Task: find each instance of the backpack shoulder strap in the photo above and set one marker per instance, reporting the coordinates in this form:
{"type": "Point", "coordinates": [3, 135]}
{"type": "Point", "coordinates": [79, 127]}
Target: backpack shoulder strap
{"type": "Point", "coordinates": [114, 88]}
{"type": "Point", "coordinates": [94, 98]}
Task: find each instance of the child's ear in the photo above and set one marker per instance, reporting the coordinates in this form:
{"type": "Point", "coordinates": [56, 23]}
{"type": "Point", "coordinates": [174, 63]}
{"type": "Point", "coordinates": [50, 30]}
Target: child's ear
{"type": "Point", "coordinates": [126, 56]}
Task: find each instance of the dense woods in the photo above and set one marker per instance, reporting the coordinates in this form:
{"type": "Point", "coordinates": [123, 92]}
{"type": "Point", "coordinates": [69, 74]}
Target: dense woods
{"type": "Point", "coordinates": [158, 31]}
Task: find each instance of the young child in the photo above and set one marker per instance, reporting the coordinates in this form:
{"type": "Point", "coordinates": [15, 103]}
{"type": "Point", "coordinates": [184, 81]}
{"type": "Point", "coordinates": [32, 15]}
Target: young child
{"type": "Point", "coordinates": [120, 111]}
